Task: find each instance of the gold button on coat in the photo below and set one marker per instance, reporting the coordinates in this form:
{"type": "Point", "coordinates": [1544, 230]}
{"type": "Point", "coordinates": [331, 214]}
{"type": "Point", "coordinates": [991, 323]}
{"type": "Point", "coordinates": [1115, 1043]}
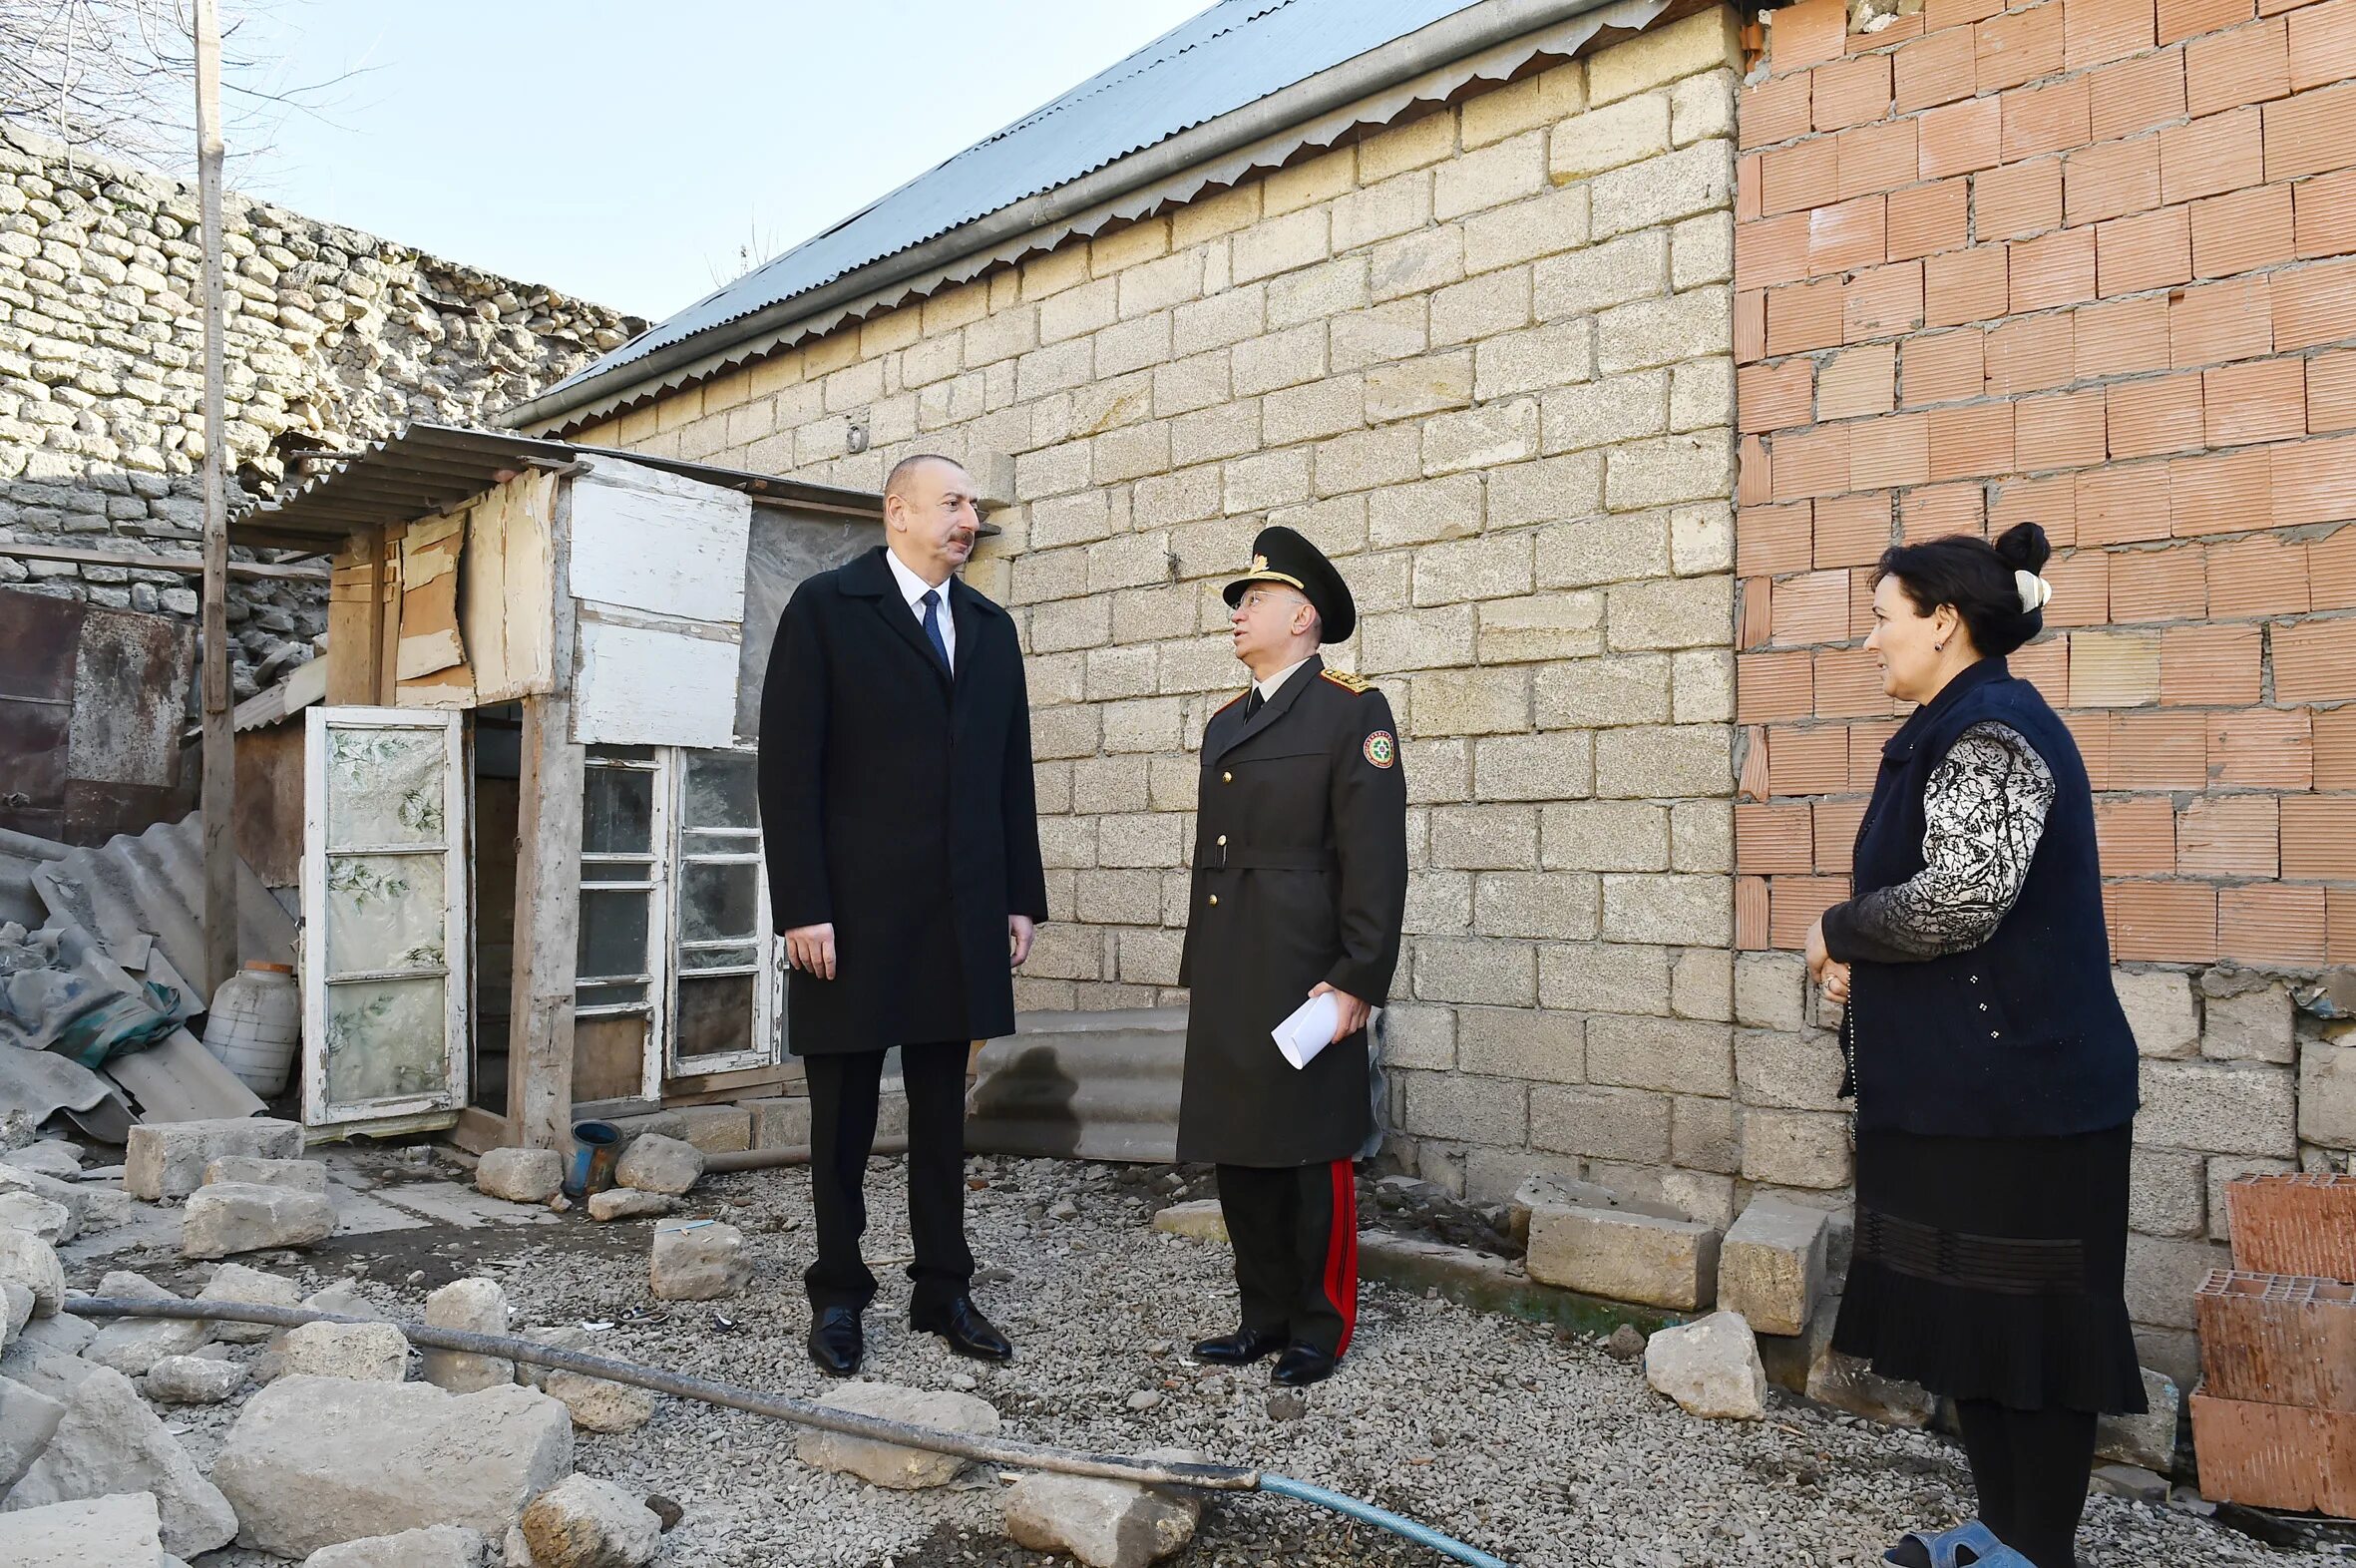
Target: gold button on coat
{"type": "Point", "coordinates": [1214, 897]}
{"type": "Point", "coordinates": [1227, 778]}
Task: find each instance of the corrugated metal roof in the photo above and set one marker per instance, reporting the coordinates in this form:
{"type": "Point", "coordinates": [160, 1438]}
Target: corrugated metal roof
{"type": "Point", "coordinates": [1234, 54]}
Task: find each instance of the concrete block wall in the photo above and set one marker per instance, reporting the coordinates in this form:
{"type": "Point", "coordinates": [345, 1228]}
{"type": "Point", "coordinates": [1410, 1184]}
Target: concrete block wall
{"type": "Point", "coordinates": [2083, 262]}
{"type": "Point", "coordinates": [1482, 357]}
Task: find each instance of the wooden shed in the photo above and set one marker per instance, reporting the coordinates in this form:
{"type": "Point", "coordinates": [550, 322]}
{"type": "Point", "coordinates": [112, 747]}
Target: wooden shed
{"type": "Point", "coordinates": [530, 859]}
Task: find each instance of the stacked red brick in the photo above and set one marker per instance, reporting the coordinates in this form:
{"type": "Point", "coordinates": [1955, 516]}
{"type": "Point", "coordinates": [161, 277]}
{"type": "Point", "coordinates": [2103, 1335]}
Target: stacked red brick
{"type": "Point", "coordinates": [2275, 1421]}
{"type": "Point", "coordinates": [2086, 263]}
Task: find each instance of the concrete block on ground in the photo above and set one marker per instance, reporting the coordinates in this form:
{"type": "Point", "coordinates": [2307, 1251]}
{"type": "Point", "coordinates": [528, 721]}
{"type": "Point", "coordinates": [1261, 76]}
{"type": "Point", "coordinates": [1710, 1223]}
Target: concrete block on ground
{"type": "Point", "coordinates": [2147, 1440]}
{"type": "Point", "coordinates": [193, 1380]}
{"type": "Point", "coordinates": [122, 1529]}
{"type": "Point", "coordinates": [131, 1345]}
{"type": "Point", "coordinates": [886, 1464]}
{"type": "Point", "coordinates": [109, 1443]}
{"type": "Point", "coordinates": [354, 1351]}
{"type": "Point", "coordinates": [715, 1130]}
{"type": "Point", "coordinates": [701, 1260]}
{"type": "Point", "coordinates": [780, 1123]}
{"type": "Point", "coordinates": [314, 1462]}
{"type": "Point", "coordinates": [1625, 1257]}
{"type": "Point", "coordinates": [301, 1175]}
{"type": "Point", "coordinates": [599, 1406]}
{"type": "Point", "coordinates": [167, 1159]}
{"type": "Point", "coordinates": [519, 1175]}
{"type": "Point", "coordinates": [1710, 1367]}
{"type": "Point", "coordinates": [1770, 1267]}
{"type": "Point", "coordinates": [235, 1217]}
{"type": "Point", "coordinates": [1103, 1523]}
{"type": "Point", "coordinates": [47, 1158]}
{"type": "Point", "coordinates": [628, 1203]}
{"type": "Point", "coordinates": [29, 1261]}
{"type": "Point", "coordinates": [438, 1546]}
{"type": "Point", "coordinates": [54, 1223]}
{"type": "Point", "coordinates": [234, 1282]}
{"type": "Point", "coordinates": [583, 1522]}
{"type": "Point", "coordinates": [2275, 1455]}
{"type": "Point", "coordinates": [471, 1306]}
{"type": "Point", "coordinates": [1203, 1219]}
{"type": "Point", "coordinates": [655, 1163]}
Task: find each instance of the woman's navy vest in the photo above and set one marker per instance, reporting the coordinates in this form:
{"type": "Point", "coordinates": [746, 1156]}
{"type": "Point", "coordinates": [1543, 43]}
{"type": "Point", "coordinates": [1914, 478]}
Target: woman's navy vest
{"type": "Point", "coordinates": [2023, 1036]}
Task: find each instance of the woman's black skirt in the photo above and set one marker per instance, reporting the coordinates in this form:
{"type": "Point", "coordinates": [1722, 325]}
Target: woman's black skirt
{"type": "Point", "coordinates": [1995, 1269]}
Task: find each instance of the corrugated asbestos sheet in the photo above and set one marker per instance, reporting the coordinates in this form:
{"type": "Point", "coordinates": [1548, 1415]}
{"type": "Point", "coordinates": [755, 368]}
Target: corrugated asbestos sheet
{"type": "Point", "coordinates": [154, 883]}
{"type": "Point", "coordinates": [1234, 54]}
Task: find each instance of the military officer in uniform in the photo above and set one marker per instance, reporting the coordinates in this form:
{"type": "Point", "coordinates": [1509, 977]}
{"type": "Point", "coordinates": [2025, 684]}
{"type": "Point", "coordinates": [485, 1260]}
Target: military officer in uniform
{"type": "Point", "coordinates": [1300, 886]}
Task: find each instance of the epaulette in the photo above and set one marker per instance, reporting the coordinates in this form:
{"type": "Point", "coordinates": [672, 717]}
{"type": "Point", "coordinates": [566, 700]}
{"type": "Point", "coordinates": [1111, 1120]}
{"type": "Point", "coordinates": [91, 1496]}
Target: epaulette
{"type": "Point", "coordinates": [1347, 681]}
{"type": "Point", "coordinates": [1230, 702]}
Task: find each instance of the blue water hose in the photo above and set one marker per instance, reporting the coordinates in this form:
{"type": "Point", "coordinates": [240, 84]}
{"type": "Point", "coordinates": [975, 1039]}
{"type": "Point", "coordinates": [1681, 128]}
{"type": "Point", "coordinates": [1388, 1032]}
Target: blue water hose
{"type": "Point", "coordinates": [1382, 1518]}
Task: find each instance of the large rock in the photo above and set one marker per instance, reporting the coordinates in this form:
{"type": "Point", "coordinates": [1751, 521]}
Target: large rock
{"type": "Point", "coordinates": [73, 1197]}
{"type": "Point", "coordinates": [655, 1163]}
{"type": "Point", "coordinates": [28, 1211]}
{"type": "Point", "coordinates": [359, 1351]}
{"type": "Point", "coordinates": [167, 1159]}
{"type": "Point", "coordinates": [628, 1203]}
{"type": "Point", "coordinates": [1202, 1220]}
{"type": "Point", "coordinates": [438, 1546]}
{"type": "Point", "coordinates": [583, 1522]}
{"type": "Point", "coordinates": [474, 1306]}
{"type": "Point", "coordinates": [1709, 1367]}
{"type": "Point", "coordinates": [2147, 1440]}
{"type": "Point", "coordinates": [313, 1462]}
{"type": "Point", "coordinates": [27, 1418]}
{"type": "Point", "coordinates": [123, 1531]}
{"type": "Point", "coordinates": [235, 1282]}
{"type": "Point", "coordinates": [564, 1336]}
{"type": "Point", "coordinates": [233, 1217]}
{"type": "Point", "coordinates": [131, 1345]}
{"type": "Point", "coordinates": [701, 1260]}
{"type": "Point", "coordinates": [46, 1159]}
{"type": "Point", "coordinates": [300, 1175]}
{"type": "Point", "coordinates": [194, 1379]}
{"type": "Point", "coordinates": [888, 1464]}
{"type": "Point", "coordinates": [519, 1175]}
{"type": "Point", "coordinates": [46, 1355]}
{"type": "Point", "coordinates": [1102, 1523]}
{"type": "Point", "coordinates": [599, 1406]}
{"type": "Point", "coordinates": [108, 1442]}
{"type": "Point", "coordinates": [16, 1309]}
{"type": "Point", "coordinates": [1770, 1267]}
{"type": "Point", "coordinates": [28, 1261]}
{"type": "Point", "coordinates": [1624, 1255]}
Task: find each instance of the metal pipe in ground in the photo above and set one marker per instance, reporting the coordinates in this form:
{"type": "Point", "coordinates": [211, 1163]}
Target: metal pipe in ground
{"type": "Point", "coordinates": [770, 1159]}
{"type": "Point", "coordinates": [849, 1423]}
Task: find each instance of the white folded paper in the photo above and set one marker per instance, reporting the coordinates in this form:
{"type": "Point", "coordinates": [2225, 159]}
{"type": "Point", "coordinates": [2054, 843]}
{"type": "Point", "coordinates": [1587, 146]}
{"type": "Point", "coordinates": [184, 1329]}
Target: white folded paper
{"type": "Point", "coordinates": [1309, 1030]}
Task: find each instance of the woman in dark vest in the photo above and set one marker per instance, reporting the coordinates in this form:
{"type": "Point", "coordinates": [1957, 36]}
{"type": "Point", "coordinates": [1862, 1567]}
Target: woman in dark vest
{"type": "Point", "coordinates": [1992, 1068]}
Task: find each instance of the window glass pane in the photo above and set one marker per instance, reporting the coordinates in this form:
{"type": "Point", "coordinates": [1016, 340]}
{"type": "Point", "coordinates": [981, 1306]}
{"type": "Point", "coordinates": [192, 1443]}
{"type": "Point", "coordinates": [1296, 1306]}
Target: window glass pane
{"type": "Point", "coordinates": [721, 840]}
{"type": "Point", "coordinates": [719, 957]}
{"type": "Point", "coordinates": [621, 753]}
{"type": "Point", "coordinates": [616, 812]}
{"type": "Point", "coordinates": [611, 995]}
{"type": "Point", "coordinates": [617, 869]}
{"type": "Point", "coordinates": [384, 912]}
{"type": "Point", "coordinates": [718, 902]}
{"type": "Point", "coordinates": [716, 1015]}
{"type": "Point", "coordinates": [613, 935]}
{"type": "Point", "coordinates": [385, 1039]}
{"type": "Point", "coordinates": [721, 790]}
{"type": "Point", "coordinates": [385, 786]}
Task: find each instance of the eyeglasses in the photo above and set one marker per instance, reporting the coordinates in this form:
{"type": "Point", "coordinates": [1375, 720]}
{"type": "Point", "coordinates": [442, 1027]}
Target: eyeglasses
{"type": "Point", "coordinates": [1258, 598]}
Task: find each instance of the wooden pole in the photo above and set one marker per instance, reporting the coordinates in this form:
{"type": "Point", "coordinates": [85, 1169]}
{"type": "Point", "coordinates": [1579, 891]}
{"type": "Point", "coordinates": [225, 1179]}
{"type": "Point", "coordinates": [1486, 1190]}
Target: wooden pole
{"type": "Point", "coordinates": [219, 796]}
{"type": "Point", "coordinates": [548, 882]}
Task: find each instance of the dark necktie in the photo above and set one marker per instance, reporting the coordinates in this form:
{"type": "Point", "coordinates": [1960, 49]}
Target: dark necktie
{"type": "Point", "coordinates": [931, 604]}
{"type": "Point", "coordinates": [1254, 702]}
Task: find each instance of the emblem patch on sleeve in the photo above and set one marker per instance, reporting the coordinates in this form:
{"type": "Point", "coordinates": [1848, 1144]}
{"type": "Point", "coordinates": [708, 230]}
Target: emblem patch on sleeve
{"type": "Point", "coordinates": [1381, 749]}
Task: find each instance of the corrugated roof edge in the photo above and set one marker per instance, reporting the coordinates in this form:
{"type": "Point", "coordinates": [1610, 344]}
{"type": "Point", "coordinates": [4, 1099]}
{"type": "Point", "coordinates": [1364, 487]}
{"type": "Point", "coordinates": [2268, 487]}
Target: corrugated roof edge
{"type": "Point", "coordinates": [1490, 25]}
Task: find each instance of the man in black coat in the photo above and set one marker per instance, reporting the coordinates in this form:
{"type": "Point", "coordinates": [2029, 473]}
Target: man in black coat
{"type": "Point", "coordinates": [1299, 890]}
{"type": "Point", "coordinates": [904, 874]}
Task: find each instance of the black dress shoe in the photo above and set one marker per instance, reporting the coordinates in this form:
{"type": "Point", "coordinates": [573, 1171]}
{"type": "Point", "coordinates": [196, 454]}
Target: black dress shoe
{"type": "Point", "coordinates": [1303, 1365]}
{"type": "Point", "coordinates": [837, 1340]}
{"type": "Point", "coordinates": [1239, 1348]}
{"type": "Point", "coordinates": [968, 1333]}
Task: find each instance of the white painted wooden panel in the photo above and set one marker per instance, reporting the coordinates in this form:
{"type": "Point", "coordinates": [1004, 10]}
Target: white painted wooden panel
{"type": "Point", "coordinates": [640, 687]}
{"type": "Point", "coordinates": [653, 541]}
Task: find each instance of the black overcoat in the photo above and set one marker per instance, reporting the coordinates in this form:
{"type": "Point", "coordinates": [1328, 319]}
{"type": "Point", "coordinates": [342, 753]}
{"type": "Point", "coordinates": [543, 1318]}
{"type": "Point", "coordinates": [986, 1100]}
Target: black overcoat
{"type": "Point", "coordinates": [897, 803]}
{"type": "Point", "coordinates": [1299, 876]}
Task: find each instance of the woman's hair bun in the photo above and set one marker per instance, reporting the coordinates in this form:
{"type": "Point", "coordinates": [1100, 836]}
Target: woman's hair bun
{"type": "Point", "coordinates": [2023, 547]}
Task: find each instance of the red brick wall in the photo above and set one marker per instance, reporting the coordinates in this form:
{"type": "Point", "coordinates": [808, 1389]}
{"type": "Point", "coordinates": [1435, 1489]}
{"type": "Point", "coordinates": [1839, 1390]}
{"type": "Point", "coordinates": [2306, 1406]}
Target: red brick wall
{"type": "Point", "coordinates": [2083, 262]}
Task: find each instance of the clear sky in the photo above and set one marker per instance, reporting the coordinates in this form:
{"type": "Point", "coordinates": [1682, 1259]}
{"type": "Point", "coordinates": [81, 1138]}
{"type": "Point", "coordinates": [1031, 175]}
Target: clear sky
{"type": "Point", "coordinates": [626, 150]}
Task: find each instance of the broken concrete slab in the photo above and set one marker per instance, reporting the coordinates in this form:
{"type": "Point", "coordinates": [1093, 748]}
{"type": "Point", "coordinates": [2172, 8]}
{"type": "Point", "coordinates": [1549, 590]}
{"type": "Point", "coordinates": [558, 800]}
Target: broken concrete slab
{"type": "Point", "coordinates": [655, 1163]}
{"type": "Point", "coordinates": [26, 1211]}
{"type": "Point", "coordinates": [1103, 1523]}
{"type": "Point", "coordinates": [354, 1352]}
{"type": "Point", "coordinates": [437, 1546]}
{"type": "Point", "coordinates": [628, 1203]}
{"type": "Point", "coordinates": [28, 1261]}
{"type": "Point", "coordinates": [193, 1380]}
{"type": "Point", "coordinates": [2148, 1442]}
{"type": "Point", "coordinates": [300, 1175]}
{"type": "Point", "coordinates": [233, 1216]}
{"type": "Point", "coordinates": [780, 1123]}
{"type": "Point", "coordinates": [315, 1462]}
{"type": "Point", "coordinates": [599, 1406]}
{"type": "Point", "coordinates": [1846, 1384]}
{"type": "Point", "coordinates": [1770, 1266]}
{"type": "Point", "coordinates": [1710, 1367]}
{"type": "Point", "coordinates": [131, 1345]}
{"type": "Point", "coordinates": [715, 1130]}
{"type": "Point", "coordinates": [109, 1443]}
{"type": "Point", "coordinates": [167, 1159]}
{"type": "Point", "coordinates": [59, 1160]}
{"type": "Point", "coordinates": [1625, 1256]}
{"type": "Point", "coordinates": [73, 1197]}
{"type": "Point", "coordinates": [473, 1305]}
{"type": "Point", "coordinates": [85, 1533]}
{"type": "Point", "coordinates": [701, 1260]}
{"type": "Point", "coordinates": [888, 1464]}
{"type": "Point", "coordinates": [519, 1175]}
{"type": "Point", "coordinates": [235, 1282]}
{"type": "Point", "coordinates": [1203, 1219]}
{"type": "Point", "coordinates": [27, 1418]}
{"type": "Point", "coordinates": [583, 1522]}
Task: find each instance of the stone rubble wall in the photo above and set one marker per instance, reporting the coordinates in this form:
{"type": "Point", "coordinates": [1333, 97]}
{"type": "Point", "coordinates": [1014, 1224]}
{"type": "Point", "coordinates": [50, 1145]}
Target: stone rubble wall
{"type": "Point", "coordinates": [334, 337]}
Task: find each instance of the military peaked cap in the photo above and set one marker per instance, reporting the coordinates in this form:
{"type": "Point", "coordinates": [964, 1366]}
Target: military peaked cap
{"type": "Point", "coordinates": [1279, 554]}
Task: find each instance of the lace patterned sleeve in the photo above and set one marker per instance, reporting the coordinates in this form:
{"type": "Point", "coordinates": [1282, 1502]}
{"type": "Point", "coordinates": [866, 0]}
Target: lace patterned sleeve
{"type": "Point", "coordinates": [1984, 810]}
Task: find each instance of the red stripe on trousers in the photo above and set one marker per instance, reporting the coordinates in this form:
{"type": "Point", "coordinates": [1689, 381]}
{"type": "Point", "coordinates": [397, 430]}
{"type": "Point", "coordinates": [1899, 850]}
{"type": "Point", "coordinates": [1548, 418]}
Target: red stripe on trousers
{"type": "Point", "coordinates": [1342, 1252]}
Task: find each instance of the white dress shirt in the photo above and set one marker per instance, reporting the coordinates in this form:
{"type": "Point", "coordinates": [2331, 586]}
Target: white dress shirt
{"type": "Point", "coordinates": [1268, 686]}
{"type": "Point", "coordinates": [913, 588]}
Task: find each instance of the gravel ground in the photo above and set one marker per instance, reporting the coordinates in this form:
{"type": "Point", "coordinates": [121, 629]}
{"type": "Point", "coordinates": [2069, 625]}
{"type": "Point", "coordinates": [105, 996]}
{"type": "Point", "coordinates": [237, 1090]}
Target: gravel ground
{"type": "Point", "coordinates": [1533, 1445]}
